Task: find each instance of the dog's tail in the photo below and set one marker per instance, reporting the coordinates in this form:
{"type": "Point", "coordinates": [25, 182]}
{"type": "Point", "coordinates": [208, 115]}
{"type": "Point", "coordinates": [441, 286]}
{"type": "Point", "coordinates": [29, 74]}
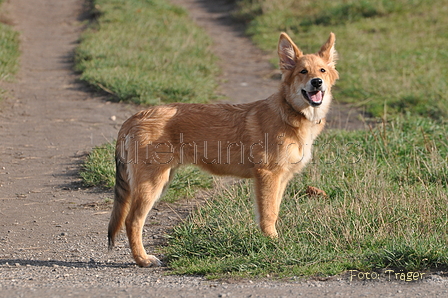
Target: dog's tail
{"type": "Point", "coordinates": [121, 201]}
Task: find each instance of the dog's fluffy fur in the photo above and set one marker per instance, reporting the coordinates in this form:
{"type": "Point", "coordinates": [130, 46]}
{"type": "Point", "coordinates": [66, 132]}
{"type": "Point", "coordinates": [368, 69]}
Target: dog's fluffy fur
{"type": "Point", "coordinates": [267, 140]}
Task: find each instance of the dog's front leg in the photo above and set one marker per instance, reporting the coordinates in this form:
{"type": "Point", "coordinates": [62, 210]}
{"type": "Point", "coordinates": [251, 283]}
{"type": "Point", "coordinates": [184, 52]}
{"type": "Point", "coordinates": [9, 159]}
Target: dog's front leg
{"type": "Point", "coordinates": [269, 190]}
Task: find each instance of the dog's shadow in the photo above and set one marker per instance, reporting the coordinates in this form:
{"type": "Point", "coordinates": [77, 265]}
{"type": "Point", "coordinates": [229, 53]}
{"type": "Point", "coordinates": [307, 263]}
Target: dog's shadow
{"type": "Point", "coordinates": [12, 263]}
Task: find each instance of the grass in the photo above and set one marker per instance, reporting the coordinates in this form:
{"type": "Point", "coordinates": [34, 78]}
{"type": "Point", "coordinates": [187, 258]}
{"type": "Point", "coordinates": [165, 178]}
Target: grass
{"type": "Point", "coordinates": [147, 52]}
{"type": "Point", "coordinates": [99, 167]}
{"type": "Point", "coordinates": [391, 52]}
{"type": "Point", "coordinates": [9, 50]}
{"type": "Point", "coordinates": [99, 170]}
{"type": "Point", "coordinates": [386, 208]}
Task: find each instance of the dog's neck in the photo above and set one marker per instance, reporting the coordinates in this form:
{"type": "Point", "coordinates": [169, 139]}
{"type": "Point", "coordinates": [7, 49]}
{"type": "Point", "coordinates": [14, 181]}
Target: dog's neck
{"type": "Point", "coordinates": [314, 115]}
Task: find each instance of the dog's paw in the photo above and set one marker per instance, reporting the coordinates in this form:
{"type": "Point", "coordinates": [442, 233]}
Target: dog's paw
{"type": "Point", "coordinates": [151, 261]}
{"type": "Point", "coordinates": [270, 232]}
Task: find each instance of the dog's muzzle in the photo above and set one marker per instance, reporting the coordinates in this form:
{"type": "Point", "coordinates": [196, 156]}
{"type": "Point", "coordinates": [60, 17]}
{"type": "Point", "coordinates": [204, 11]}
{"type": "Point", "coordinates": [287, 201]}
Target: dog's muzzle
{"type": "Point", "coordinates": [316, 96]}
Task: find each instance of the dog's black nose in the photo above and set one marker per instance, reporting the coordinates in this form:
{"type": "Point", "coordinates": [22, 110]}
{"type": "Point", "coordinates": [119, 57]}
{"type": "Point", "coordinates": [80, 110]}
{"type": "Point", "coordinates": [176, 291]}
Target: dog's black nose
{"type": "Point", "coordinates": [316, 82]}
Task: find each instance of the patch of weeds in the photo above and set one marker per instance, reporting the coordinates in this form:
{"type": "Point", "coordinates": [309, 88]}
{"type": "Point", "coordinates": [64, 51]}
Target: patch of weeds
{"type": "Point", "coordinates": [99, 166]}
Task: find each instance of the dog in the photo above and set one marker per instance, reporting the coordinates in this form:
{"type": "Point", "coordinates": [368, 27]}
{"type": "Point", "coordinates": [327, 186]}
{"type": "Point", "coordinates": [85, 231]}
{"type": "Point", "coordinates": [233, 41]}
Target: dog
{"type": "Point", "coordinates": [267, 140]}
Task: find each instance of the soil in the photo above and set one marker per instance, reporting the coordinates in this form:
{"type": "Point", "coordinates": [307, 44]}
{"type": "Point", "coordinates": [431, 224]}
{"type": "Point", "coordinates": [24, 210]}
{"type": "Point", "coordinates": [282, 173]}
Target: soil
{"type": "Point", "coordinates": [53, 230]}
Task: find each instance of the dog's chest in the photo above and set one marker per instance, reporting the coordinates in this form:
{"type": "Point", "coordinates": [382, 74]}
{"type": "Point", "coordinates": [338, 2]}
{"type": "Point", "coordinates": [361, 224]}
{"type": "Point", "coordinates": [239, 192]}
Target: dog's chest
{"type": "Point", "coordinates": [296, 150]}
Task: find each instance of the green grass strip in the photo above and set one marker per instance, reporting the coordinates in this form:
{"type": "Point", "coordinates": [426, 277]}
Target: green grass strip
{"type": "Point", "coordinates": [147, 52]}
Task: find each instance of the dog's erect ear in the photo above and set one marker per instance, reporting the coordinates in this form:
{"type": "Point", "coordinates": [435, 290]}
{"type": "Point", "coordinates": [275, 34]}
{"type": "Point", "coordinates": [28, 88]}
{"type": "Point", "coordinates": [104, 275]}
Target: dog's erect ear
{"type": "Point", "coordinates": [328, 52]}
{"type": "Point", "coordinates": [288, 52]}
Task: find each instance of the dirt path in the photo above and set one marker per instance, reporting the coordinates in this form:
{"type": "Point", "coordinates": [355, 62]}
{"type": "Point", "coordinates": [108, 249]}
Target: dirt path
{"type": "Point", "coordinates": [246, 72]}
{"type": "Point", "coordinates": [53, 231]}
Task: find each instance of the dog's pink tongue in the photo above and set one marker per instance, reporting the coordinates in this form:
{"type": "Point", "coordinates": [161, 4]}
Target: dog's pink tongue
{"type": "Point", "coordinates": [315, 96]}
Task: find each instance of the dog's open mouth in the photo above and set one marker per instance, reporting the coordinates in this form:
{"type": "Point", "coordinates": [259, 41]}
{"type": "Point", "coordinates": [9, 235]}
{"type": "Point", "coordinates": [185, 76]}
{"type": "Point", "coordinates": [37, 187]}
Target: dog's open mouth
{"type": "Point", "coordinates": [314, 97]}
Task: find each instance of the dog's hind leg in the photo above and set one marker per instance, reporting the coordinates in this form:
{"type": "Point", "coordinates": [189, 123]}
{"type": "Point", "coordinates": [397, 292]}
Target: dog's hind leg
{"type": "Point", "coordinates": [149, 186]}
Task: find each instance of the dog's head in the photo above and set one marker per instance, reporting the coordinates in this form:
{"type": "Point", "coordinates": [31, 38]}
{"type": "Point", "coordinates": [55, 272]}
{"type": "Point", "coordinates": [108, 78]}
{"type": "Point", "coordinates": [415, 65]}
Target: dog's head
{"type": "Point", "coordinates": [307, 79]}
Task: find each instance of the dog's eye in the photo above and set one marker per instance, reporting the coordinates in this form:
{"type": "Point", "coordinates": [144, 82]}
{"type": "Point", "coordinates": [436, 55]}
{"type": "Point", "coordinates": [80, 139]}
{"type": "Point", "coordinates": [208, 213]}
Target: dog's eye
{"type": "Point", "coordinates": [322, 70]}
{"type": "Point", "coordinates": [304, 71]}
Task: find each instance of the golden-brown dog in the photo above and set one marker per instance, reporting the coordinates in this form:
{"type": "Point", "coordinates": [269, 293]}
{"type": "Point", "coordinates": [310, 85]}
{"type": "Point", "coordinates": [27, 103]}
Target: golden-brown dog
{"type": "Point", "coordinates": [267, 140]}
